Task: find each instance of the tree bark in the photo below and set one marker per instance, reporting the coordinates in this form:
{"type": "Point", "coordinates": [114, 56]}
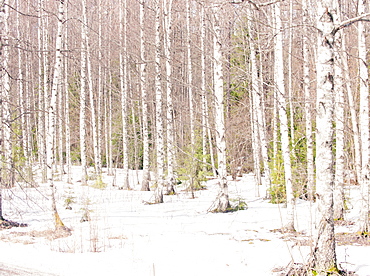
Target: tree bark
{"type": "Point", "coordinates": [364, 122]}
{"type": "Point", "coordinates": [144, 101]}
{"type": "Point", "coordinates": [222, 201]}
{"type": "Point", "coordinates": [124, 90]}
{"type": "Point", "coordinates": [308, 106]}
{"type": "Point", "coordinates": [171, 179]}
{"type": "Point", "coordinates": [83, 102]}
{"type": "Point", "coordinates": [324, 256]}
{"type": "Point", "coordinates": [280, 94]}
{"type": "Point", "coordinates": [158, 107]}
{"type": "Point", "coordinates": [339, 126]}
{"type": "Point", "coordinates": [51, 134]}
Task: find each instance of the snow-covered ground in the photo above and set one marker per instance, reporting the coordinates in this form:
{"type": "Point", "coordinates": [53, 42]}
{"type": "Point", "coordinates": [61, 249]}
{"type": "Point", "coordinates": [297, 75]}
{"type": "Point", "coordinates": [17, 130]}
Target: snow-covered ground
{"type": "Point", "coordinates": [125, 236]}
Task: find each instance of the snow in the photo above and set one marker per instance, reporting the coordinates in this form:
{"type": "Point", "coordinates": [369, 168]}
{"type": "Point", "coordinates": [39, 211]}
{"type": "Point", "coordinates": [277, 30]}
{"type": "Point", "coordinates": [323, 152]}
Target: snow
{"type": "Point", "coordinates": [125, 236]}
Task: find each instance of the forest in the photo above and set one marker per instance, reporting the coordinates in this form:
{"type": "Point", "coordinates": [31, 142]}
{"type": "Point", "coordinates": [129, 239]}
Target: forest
{"type": "Point", "coordinates": [158, 102]}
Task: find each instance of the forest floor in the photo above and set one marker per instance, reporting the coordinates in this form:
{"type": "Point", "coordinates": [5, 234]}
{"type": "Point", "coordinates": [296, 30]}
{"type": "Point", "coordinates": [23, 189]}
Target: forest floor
{"type": "Point", "coordinates": [113, 232]}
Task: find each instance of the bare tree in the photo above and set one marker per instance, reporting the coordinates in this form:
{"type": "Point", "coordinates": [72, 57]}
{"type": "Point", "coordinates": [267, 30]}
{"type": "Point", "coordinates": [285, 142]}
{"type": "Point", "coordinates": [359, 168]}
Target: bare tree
{"type": "Point", "coordinates": [158, 107]}
{"type": "Point", "coordinates": [169, 87]}
{"type": "Point", "coordinates": [124, 90]}
{"type": "Point", "coordinates": [282, 107]}
{"type": "Point", "coordinates": [364, 122]}
{"type": "Point", "coordinates": [222, 201]}
{"type": "Point", "coordinates": [324, 256]}
{"type": "Point", "coordinates": [144, 100]}
{"type": "Point", "coordinates": [52, 110]}
{"type": "Point", "coordinates": [83, 100]}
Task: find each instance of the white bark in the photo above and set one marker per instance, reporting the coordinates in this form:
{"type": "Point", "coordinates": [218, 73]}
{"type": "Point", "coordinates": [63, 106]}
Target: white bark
{"type": "Point", "coordinates": [89, 79]}
{"type": "Point", "coordinates": [52, 111]}
{"type": "Point", "coordinates": [324, 257]}
{"type": "Point", "coordinates": [259, 105]}
{"type": "Point", "coordinates": [339, 127]}
{"type": "Point", "coordinates": [280, 94]}
{"type": "Point", "coordinates": [144, 101]}
{"type": "Point", "coordinates": [353, 112]}
{"type": "Point", "coordinates": [52, 105]}
{"type": "Point", "coordinates": [100, 97]}
{"type": "Point", "coordinates": [255, 141]}
{"type": "Point", "coordinates": [22, 92]}
{"type": "Point", "coordinates": [190, 79]}
{"type": "Point", "coordinates": [308, 106]}
{"type": "Point", "coordinates": [255, 103]}
{"type": "Point", "coordinates": [364, 122]}
{"type": "Point", "coordinates": [223, 197]}
{"type": "Point", "coordinates": [203, 82]}
{"type": "Point", "coordinates": [45, 51]}
{"type": "Point", "coordinates": [41, 103]}
{"type": "Point", "coordinates": [5, 94]}
{"type": "Point", "coordinates": [169, 87]}
{"type": "Point", "coordinates": [290, 75]}
{"type": "Point", "coordinates": [66, 110]}
{"type": "Point", "coordinates": [158, 108]}
{"type": "Point", "coordinates": [124, 90]}
{"type": "Point", "coordinates": [83, 102]}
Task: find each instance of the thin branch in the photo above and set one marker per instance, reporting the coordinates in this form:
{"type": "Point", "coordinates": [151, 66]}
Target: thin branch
{"type": "Point", "coordinates": [349, 22]}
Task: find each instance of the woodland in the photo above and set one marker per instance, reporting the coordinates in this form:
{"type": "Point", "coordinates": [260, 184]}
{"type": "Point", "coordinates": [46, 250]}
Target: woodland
{"type": "Point", "coordinates": [187, 92]}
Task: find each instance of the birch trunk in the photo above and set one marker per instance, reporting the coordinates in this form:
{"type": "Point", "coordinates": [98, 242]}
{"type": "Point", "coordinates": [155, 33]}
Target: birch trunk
{"type": "Point", "coordinates": [308, 106]}
{"type": "Point", "coordinates": [222, 201]}
{"type": "Point", "coordinates": [364, 122]}
{"type": "Point", "coordinates": [51, 133]}
{"type": "Point", "coordinates": [83, 103]}
{"type": "Point", "coordinates": [324, 256]}
{"type": "Point", "coordinates": [67, 107]}
{"type": "Point", "coordinates": [41, 103]}
{"type": "Point", "coordinates": [290, 76]}
{"type": "Point", "coordinates": [7, 146]}
{"type": "Point", "coordinates": [353, 112]}
{"type": "Point", "coordinates": [144, 101]}
{"type": "Point", "coordinates": [45, 85]}
{"type": "Point", "coordinates": [22, 92]}
{"type": "Point", "coordinates": [258, 103]}
{"type": "Point", "coordinates": [100, 98]}
{"type": "Point", "coordinates": [203, 82]}
{"type": "Point", "coordinates": [338, 196]}
{"type": "Point", "coordinates": [3, 94]}
{"type": "Point", "coordinates": [124, 90]}
{"type": "Point", "coordinates": [190, 80]}
{"type": "Point", "coordinates": [167, 4]}
{"type": "Point", "coordinates": [97, 159]}
{"type": "Point", "coordinates": [280, 94]}
{"type": "Point", "coordinates": [255, 142]}
{"type": "Point", "coordinates": [158, 108]}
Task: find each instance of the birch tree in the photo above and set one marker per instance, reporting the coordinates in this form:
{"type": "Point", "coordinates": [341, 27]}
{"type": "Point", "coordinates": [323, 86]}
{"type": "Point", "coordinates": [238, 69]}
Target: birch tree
{"type": "Point", "coordinates": [67, 125]}
{"type": "Point", "coordinates": [144, 101]}
{"type": "Point", "coordinates": [364, 122]}
{"type": "Point", "coordinates": [280, 95]}
{"type": "Point", "coordinates": [324, 256]}
{"type": "Point", "coordinates": [46, 90]}
{"type": "Point", "coordinates": [222, 200]}
{"type": "Point", "coordinates": [51, 133]}
{"type": "Point", "coordinates": [83, 101]}
{"type": "Point", "coordinates": [158, 107]}
{"type": "Point", "coordinates": [7, 173]}
{"type": "Point", "coordinates": [339, 126]}
{"type": "Point", "coordinates": [97, 158]}
{"type": "Point", "coordinates": [3, 94]}
{"type": "Point", "coordinates": [167, 4]}
{"type": "Point", "coordinates": [308, 104]}
{"type": "Point", "coordinates": [124, 89]}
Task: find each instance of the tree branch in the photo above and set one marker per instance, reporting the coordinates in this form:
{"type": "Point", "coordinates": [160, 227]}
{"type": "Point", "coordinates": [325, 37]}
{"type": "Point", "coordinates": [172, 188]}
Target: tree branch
{"type": "Point", "coordinates": [257, 6]}
{"type": "Point", "coordinates": [349, 22]}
